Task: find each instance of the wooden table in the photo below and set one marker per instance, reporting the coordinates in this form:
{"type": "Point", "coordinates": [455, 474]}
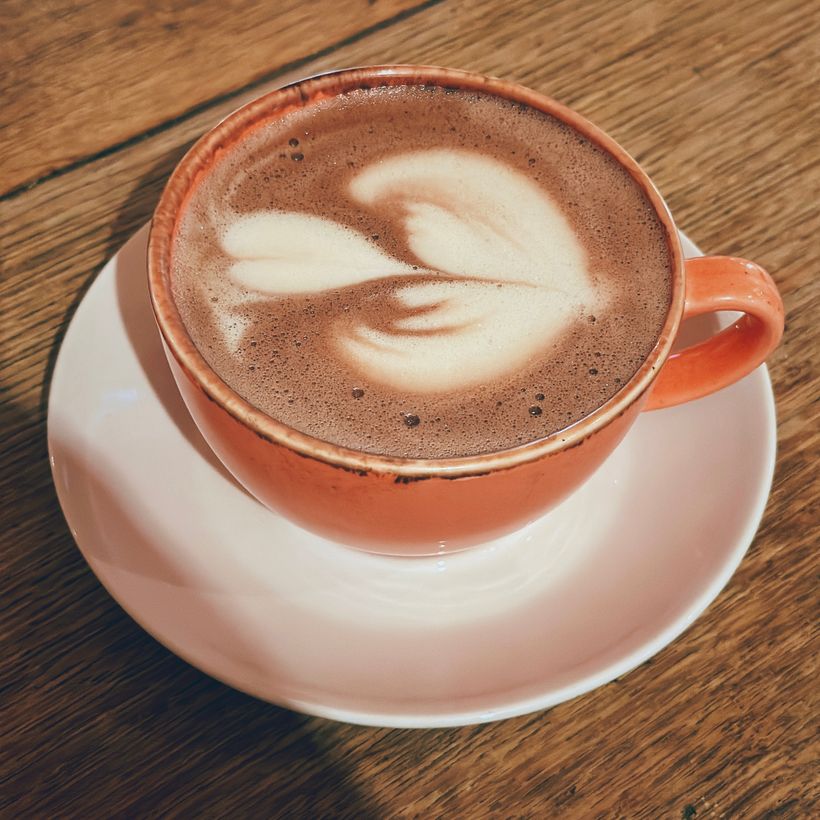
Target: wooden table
{"type": "Point", "coordinates": [718, 101]}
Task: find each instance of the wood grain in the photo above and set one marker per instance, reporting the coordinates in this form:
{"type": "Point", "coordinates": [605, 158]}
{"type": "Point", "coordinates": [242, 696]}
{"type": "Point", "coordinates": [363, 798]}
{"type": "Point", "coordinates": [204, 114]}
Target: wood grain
{"type": "Point", "coordinates": [88, 75]}
{"type": "Point", "coordinates": [719, 104]}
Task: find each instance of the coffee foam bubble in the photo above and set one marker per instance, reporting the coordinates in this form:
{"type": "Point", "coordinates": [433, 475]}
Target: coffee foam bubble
{"type": "Point", "coordinates": [407, 267]}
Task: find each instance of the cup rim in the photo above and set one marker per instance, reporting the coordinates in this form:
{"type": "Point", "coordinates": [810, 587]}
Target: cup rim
{"type": "Point", "coordinates": [275, 104]}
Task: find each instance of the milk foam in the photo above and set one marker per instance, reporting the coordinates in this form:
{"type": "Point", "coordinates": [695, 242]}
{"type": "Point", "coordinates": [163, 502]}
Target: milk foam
{"type": "Point", "coordinates": [282, 253]}
{"type": "Point", "coordinates": [514, 275]}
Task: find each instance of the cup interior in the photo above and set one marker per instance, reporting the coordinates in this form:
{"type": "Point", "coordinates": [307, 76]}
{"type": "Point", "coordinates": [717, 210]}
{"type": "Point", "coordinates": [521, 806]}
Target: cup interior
{"type": "Point", "coordinates": [195, 165]}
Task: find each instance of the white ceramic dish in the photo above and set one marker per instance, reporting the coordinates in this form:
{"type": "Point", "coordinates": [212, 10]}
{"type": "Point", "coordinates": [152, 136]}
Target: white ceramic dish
{"type": "Point", "coordinates": [578, 598]}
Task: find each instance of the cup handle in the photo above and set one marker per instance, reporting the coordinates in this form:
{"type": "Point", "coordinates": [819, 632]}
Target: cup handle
{"type": "Point", "coordinates": [716, 283]}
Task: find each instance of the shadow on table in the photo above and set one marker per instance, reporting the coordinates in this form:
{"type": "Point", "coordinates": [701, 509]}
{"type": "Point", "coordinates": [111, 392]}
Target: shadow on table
{"type": "Point", "coordinates": [100, 716]}
{"type": "Point", "coordinates": [122, 726]}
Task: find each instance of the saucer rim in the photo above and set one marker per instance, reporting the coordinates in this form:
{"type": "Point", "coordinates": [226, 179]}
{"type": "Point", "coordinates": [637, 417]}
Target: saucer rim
{"type": "Point", "coordinates": [513, 708]}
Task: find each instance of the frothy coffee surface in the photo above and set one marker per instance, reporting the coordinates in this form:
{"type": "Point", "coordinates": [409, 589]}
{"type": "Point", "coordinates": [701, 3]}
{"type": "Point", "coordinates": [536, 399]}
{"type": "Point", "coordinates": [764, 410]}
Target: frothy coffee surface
{"type": "Point", "coordinates": [421, 272]}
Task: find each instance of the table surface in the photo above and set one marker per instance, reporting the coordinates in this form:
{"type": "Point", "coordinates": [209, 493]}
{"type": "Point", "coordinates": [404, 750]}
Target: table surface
{"type": "Point", "coordinates": [719, 103]}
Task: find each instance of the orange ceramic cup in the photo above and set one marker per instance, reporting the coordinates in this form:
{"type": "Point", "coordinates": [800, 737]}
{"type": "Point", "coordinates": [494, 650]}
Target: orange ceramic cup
{"type": "Point", "coordinates": [406, 506]}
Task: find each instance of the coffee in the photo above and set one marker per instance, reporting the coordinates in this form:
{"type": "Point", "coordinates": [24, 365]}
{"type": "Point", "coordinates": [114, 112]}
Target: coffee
{"type": "Point", "coordinates": [421, 272]}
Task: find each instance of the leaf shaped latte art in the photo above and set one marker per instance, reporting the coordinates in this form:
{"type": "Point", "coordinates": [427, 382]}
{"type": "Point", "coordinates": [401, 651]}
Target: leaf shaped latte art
{"type": "Point", "coordinates": [473, 216]}
{"type": "Point", "coordinates": [513, 274]}
{"type": "Point", "coordinates": [280, 253]}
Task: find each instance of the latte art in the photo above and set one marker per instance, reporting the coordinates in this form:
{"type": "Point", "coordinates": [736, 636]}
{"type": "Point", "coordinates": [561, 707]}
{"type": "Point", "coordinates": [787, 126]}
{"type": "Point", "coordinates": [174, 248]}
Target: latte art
{"type": "Point", "coordinates": [421, 273]}
{"type": "Point", "coordinates": [506, 271]}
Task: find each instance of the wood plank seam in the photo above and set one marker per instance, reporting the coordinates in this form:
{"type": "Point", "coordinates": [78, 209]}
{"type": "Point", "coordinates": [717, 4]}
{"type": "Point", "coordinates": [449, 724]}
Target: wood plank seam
{"type": "Point", "coordinates": [268, 77]}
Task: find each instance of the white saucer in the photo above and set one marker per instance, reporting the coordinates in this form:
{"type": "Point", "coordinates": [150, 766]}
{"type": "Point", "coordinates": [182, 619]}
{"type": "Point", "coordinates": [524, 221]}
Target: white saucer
{"type": "Point", "coordinates": [579, 598]}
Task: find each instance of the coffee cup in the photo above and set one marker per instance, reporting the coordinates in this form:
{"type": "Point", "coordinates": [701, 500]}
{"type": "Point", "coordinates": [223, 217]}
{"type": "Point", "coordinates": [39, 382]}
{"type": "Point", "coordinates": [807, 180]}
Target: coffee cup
{"type": "Point", "coordinates": [510, 253]}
